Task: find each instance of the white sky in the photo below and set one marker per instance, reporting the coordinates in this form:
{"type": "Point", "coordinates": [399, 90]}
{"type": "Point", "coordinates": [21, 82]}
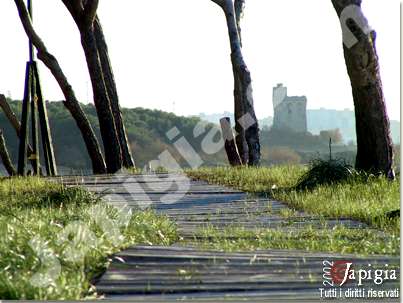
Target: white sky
{"type": "Point", "coordinates": [167, 51]}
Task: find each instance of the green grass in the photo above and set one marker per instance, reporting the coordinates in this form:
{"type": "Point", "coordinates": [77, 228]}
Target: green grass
{"type": "Point", "coordinates": [337, 240]}
{"type": "Point", "coordinates": [367, 199]}
{"type": "Point", "coordinates": [251, 179]}
{"type": "Point", "coordinates": [35, 211]}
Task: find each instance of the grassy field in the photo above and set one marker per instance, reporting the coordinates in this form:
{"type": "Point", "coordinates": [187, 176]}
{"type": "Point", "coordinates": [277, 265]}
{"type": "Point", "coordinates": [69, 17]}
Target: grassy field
{"type": "Point", "coordinates": [365, 199]}
{"type": "Point", "coordinates": [54, 240]}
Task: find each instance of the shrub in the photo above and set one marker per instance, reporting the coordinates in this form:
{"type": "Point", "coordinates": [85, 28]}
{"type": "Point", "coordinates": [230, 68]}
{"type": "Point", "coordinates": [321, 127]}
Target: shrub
{"type": "Point", "coordinates": [323, 172]}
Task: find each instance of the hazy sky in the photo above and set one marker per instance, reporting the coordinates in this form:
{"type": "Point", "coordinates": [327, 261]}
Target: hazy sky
{"type": "Point", "coordinates": [177, 51]}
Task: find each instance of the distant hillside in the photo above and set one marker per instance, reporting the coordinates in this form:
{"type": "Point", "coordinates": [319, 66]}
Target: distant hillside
{"type": "Point", "coordinates": [318, 120]}
{"type": "Point", "coordinates": [146, 133]}
{"type": "Point", "coordinates": [264, 123]}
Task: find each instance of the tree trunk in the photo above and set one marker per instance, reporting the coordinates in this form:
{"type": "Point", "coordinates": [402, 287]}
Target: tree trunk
{"type": "Point", "coordinates": [5, 157]}
{"type": "Point", "coordinates": [71, 103]}
{"type": "Point", "coordinates": [84, 15]}
{"type": "Point", "coordinates": [239, 112]}
{"type": "Point", "coordinates": [243, 89]}
{"type": "Point", "coordinates": [230, 145]}
{"type": "Point", "coordinates": [113, 155]}
{"type": "Point", "coordinates": [374, 143]}
{"type": "Point", "coordinates": [113, 94]}
{"type": "Point", "coordinates": [239, 108]}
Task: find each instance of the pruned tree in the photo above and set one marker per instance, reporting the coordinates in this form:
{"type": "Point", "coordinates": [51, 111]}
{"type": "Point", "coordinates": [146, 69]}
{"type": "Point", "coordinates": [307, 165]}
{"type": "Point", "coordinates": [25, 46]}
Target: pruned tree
{"type": "Point", "coordinates": [117, 152]}
{"type": "Point", "coordinates": [71, 102]}
{"type": "Point", "coordinates": [246, 126]}
{"type": "Point", "coordinates": [374, 143]}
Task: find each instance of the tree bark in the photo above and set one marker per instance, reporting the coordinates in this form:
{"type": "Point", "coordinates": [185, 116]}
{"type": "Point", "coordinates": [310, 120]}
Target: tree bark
{"type": "Point", "coordinates": [230, 145]}
{"type": "Point", "coordinates": [374, 143]}
{"type": "Point", "coordinates": [5, 156]}
{"type": "Point", "coordinates": [113, 94]}
{"type": "Point", "coordinates": [113, 155]}
{"type": "Point", "coordinates": [244, 108]}
{"type": "Point", "coordinates": [238, 102]}
{"type": "Point", "coordinates": [71, 103]}
{"type": "Point", "coordinates": [239, 9]}
{"type": "Point", "coordinates": [84, 15]}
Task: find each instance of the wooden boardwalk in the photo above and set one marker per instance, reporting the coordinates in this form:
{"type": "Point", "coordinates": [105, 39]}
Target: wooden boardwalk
{"type": "Point", "coordinates": [158, 274]}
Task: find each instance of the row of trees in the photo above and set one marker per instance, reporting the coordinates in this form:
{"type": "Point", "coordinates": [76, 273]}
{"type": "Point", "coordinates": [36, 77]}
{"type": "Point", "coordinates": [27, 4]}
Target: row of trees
{"type": "Point", "coordinates": [375, 151]}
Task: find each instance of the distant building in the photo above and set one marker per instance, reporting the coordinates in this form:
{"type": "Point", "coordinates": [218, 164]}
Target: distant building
{"type": "Point", "coordinates": [289, 112]}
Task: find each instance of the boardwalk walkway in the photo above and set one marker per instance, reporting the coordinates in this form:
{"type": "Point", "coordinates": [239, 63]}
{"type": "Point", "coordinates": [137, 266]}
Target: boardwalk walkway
{"type": "Point", "coordinates": [156, 274]}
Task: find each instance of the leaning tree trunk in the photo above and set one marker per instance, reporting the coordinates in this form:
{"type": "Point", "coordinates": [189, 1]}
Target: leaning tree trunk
{"type": "Point", "coordinates": [243, 86]}
{"type": "Point", "coordinates": [84, 14]}
{"type": "Point", "coordinates": [12, 118]}
{"type": "Point", "coordinates": [374, 143]}
{"type": "Point", "coordinates": [113, 94]}
{"type": "Point", "coordinates": [5, 156]}
{"type": "Point", "coordinates": [71, 103]}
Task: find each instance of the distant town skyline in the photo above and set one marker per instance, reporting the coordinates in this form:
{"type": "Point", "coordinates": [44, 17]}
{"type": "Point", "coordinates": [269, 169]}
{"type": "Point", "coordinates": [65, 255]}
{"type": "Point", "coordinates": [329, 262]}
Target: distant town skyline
{"type": "Point", "coordinates": [174, 55]}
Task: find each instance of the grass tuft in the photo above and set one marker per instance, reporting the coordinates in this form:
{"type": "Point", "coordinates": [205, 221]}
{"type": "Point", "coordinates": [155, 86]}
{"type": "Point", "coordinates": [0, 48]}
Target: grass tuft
{"type": "Point", "coordinates": [323, 172]}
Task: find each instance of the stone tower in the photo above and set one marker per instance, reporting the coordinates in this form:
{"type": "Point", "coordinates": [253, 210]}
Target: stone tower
{"type": "Point", "coordinates": [289, 112]}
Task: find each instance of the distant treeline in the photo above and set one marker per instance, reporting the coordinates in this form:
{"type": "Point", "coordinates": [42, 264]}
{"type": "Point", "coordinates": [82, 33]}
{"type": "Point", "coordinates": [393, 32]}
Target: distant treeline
{"type": "Point", "coordinates": [147, 136]}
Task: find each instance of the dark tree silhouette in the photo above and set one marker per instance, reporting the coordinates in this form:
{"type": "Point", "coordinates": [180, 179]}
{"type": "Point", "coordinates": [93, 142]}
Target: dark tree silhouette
{"type": "Point", "coordinates": [374, 143]}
